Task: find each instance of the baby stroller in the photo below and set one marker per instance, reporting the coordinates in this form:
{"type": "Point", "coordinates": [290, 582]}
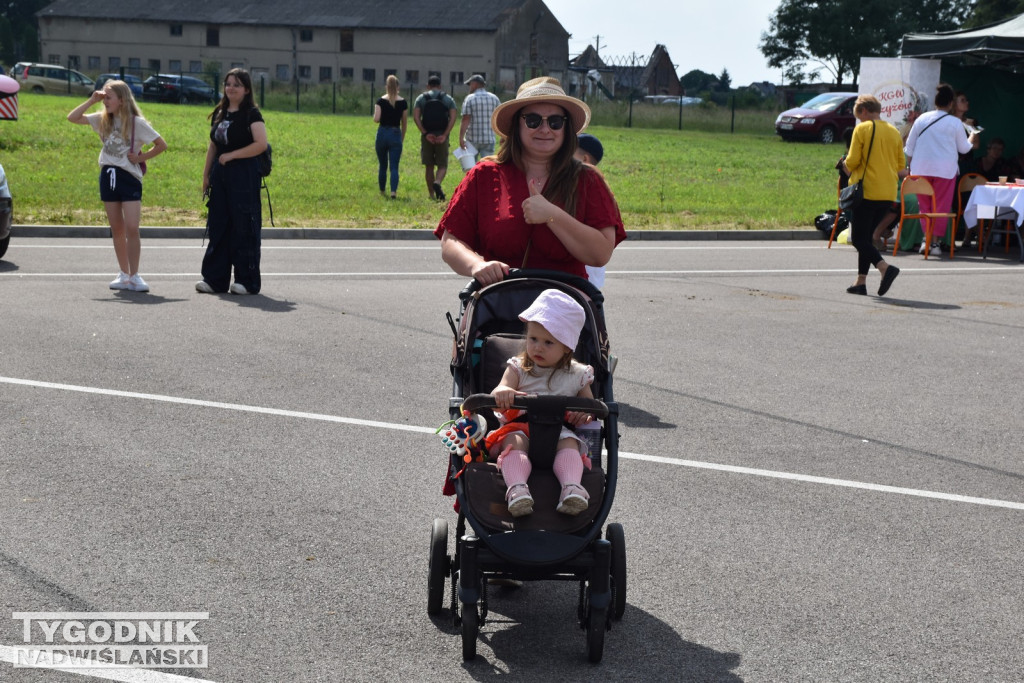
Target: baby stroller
{"type": "Point", "coordinates": [491, 544]}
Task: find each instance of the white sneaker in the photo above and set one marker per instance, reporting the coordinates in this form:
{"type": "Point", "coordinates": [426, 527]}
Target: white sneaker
{"type": "Point", "coordinates": [204, 287]}
{"type": "Point", "coordinates": [238, 288]}
{"type": "Point", "coordinates": [924, 245]}
{"type": "Point", "coordinates": [120, 282]}
{"type": "Point", "coordinates": [137, 284]}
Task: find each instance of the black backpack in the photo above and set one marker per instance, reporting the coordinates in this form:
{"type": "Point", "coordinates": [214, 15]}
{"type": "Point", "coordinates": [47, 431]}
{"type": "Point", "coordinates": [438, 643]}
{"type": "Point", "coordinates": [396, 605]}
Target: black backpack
{"type": "Point", "coordinates": [434, 115]}
{"type": "Point", "coordinates": [266, 161]}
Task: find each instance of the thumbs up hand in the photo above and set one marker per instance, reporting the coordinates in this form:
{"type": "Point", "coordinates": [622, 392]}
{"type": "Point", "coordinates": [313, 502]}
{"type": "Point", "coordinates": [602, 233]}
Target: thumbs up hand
{"type": "Point", "coordinates": [536, 207]}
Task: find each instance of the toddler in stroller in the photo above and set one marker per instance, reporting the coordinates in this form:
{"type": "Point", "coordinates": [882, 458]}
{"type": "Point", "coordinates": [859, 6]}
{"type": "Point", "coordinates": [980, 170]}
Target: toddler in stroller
{"type": "Point", "coordinates": [492, 543]}
{"type": "Point", "coordinates": [545, 366]}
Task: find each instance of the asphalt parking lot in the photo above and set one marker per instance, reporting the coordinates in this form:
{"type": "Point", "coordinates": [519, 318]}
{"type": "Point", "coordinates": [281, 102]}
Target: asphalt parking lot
{"type": "Point", "coordinates": [815, 486]}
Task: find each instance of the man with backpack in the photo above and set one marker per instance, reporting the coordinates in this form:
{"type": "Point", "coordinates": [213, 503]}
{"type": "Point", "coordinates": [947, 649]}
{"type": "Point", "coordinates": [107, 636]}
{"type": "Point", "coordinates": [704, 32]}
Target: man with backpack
{"type": "Point", "coordinates": [434, 114]}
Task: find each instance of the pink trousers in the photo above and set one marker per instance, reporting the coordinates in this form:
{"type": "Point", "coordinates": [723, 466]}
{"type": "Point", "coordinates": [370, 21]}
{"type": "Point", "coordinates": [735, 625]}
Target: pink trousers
{"type": "Point", "coordinates": [944, 190]}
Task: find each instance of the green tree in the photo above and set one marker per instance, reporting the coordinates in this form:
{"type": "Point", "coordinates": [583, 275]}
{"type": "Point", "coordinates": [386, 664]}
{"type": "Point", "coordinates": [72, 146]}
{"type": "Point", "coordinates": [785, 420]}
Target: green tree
{"type": "Point", "coordinates": [6, 41]}
{"type": "Point", "coordinates": [993, 11]}
{"type": "Point", "coordinates": [24, 37]}
{"type": "Point", "coordinates": [696, 80]}
{"type": "Point", "coordinates": [725, 81]}
{"type": "Point", "coordinates": [834, 34]}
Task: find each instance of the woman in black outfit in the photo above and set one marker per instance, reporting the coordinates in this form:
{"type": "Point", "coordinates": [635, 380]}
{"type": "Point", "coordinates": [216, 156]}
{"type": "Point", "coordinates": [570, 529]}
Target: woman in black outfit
{"type": "Point", "coordinates": [231, 181]}
{"type": "Point", "coordinates": [392, 113]}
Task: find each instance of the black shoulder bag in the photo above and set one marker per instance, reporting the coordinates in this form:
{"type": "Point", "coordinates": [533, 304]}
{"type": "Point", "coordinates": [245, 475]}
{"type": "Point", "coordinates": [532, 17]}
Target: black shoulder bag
{"type": "Point", "coordinates": [853, 195]}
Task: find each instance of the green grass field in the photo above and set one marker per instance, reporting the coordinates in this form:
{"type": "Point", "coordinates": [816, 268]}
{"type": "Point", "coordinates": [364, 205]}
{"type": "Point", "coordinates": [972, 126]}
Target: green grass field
{"type": "Point", "coordinates": [325, 171]}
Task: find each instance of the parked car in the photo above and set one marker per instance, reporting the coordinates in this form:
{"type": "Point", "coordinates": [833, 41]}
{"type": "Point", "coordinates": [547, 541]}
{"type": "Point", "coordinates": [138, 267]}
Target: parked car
{"type": "Point", "coordinates": [6, 213]}
{"type": "Point", "coordinates": [52, 78]}
{"type": "Point", "coordinates": [825, 118]}
{"type": "Point", "coordinates": [181, 89]}
{"type": "Point", "coordinates": [134, 82]}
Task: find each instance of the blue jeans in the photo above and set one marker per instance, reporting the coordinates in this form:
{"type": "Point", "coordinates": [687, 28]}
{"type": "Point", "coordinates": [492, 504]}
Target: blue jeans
{"type": "Point", "coordinates": [389, 151]}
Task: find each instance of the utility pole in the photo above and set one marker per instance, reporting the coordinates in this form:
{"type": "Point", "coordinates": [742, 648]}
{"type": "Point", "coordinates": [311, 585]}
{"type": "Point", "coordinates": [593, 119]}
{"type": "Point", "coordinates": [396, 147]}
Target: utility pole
{"type": "Point", "coordinates": [597, 45]}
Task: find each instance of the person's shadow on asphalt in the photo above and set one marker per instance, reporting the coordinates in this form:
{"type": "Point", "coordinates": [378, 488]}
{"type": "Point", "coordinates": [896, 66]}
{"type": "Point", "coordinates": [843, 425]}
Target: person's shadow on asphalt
{"type": "Point", "coordinates": [922, 305]}
{"type": "Point", "coordinates": [261, 302]}
{"type": "Point", "coordinates": [124, 296]}
{"type": "Point", "coordinates": [631, 416]}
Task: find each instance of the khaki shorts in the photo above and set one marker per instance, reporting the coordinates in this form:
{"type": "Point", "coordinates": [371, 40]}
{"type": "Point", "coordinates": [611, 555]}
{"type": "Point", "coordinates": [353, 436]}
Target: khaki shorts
{"type": "Point", "coordinates": [433, 154]}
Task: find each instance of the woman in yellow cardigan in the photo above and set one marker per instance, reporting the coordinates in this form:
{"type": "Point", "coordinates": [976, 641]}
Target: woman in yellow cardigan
{"type": "Point", "coordinates": [880, 173]}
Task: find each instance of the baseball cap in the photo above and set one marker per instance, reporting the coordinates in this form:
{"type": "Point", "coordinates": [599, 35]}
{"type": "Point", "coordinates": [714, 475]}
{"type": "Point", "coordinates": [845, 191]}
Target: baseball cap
{"type": "Point", "coordinates": [591, 145]}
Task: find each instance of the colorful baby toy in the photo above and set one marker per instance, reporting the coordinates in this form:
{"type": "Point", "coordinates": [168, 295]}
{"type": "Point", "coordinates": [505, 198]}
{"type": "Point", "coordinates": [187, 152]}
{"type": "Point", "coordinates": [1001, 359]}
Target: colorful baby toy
{"type": "Point", "coordinates": [465, 437]}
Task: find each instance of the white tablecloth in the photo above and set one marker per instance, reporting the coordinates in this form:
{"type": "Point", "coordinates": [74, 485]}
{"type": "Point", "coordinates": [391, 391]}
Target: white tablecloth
{"type": "Point", "coordinates": [991, 201]}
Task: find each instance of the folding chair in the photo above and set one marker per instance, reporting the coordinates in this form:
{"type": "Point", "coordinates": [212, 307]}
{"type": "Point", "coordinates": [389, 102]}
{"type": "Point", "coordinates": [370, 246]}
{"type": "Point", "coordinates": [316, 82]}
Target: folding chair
{"type": "Point", "coordinates": [919, 185]}
{"type": "Point", "coordinates": [968, 182]}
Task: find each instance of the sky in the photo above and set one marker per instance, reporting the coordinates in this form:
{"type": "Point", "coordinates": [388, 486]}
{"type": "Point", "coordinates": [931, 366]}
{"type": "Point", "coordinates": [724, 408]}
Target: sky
{"type": "Point", "coordinates": [698, 35]}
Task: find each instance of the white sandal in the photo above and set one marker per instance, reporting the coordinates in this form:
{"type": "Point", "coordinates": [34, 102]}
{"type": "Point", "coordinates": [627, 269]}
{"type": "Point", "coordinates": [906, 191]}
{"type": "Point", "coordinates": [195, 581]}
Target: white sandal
{"type": "Point", "coordinates": [520, 502]}
{"type": "Point", "coordinates": [573, 500]}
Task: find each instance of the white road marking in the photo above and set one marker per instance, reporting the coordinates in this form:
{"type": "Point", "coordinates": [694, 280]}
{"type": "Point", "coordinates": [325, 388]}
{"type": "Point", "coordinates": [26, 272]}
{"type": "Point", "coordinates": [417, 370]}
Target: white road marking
{"type": "Point", "coordinates": [825, 480]}
{"type": "Point", "coordinates": [997, 268]}
{"type": "Point", "coordinates": [867, 486]}
{"type": "Point", "coordinates": [114, 673]}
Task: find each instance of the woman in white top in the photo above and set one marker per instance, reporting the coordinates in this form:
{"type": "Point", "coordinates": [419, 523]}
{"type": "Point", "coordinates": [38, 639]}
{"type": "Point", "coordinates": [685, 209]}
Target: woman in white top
{"type": "Point", "coordinates": [933, 149]}
{"type": "Point", "coordinates": [124, 133]}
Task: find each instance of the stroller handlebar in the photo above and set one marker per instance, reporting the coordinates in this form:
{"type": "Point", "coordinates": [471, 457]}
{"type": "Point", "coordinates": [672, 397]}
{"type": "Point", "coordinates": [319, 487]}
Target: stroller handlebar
{"type": "Point", "coordinates": [580, 283]}
{"type": "Point", "coordinates": [552, 406]}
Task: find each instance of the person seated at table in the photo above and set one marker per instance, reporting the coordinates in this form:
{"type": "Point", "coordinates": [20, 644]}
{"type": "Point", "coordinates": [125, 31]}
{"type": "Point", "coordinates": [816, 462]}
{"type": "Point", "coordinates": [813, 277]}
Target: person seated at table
{"type": "Point", "coordinates": [993, 164]}
{"type": "Point", "coordinates": [1017, 166]}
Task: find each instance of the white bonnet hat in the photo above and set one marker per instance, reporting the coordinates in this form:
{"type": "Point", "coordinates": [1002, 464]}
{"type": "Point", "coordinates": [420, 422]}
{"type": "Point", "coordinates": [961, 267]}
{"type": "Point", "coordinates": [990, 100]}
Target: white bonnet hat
{"type": "Point", "coordinates": [560, 315]}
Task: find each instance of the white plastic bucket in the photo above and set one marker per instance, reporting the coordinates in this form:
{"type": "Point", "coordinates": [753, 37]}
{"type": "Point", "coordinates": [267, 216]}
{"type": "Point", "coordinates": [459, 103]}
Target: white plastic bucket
{"type": "Point", "coordinates": [466, 157]}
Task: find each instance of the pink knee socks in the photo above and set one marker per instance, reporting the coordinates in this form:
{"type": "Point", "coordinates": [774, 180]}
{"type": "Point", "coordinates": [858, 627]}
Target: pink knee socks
{"type": "Point", "coordinates": [516, 467]}
{"type": "Point", "coordinates": [568, 466]}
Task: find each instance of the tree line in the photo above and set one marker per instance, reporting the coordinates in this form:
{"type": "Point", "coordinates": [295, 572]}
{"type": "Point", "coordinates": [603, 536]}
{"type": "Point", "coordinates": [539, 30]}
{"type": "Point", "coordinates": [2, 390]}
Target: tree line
{"type": "Point", "coordinates": [806, 36]}
{"type": "Point", "coordinates": [19, 35]}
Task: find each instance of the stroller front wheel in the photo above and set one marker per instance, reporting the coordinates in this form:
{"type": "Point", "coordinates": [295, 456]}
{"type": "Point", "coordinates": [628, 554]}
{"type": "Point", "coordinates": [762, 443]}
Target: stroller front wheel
{"type": "Point", "coordinates": [470, 631]}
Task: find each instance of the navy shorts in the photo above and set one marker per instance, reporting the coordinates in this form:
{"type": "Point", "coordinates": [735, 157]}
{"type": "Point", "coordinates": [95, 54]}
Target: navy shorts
{"type": "Point", "coordinates": [118, 185]}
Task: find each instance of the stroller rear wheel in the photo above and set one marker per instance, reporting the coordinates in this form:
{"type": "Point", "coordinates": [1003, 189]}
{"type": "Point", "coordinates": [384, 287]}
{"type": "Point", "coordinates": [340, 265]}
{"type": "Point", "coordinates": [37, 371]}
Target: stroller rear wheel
{"type": "Point", "coordinates": [617, 537]}
{"type": "Point", "coordinates": [439, 567]}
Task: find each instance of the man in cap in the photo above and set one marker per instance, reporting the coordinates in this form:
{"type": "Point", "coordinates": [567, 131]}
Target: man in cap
{"type": "Point", "coordinates": [476, 117]}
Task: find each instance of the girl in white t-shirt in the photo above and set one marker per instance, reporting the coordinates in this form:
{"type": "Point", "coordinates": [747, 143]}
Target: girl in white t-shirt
{"type": "Point", "coordinates": [546, 366]}
{"type": "Point", "coordinates": [124, 134]}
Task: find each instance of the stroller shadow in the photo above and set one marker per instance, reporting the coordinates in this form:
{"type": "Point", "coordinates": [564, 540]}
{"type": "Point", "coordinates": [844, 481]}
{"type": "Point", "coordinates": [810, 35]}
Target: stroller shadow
{"type": "Point", "coordinates": [640, 646]}
{"type": "Point", "coordinates": [631, 416]}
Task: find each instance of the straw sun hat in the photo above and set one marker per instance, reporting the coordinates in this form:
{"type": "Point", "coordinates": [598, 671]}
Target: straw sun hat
{"type": "Point", "coordinates": [543, 90]}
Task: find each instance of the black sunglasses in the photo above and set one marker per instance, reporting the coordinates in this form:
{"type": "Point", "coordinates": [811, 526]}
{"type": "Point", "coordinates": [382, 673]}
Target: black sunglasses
{"type": "Point", "coordinates": [555, 122]}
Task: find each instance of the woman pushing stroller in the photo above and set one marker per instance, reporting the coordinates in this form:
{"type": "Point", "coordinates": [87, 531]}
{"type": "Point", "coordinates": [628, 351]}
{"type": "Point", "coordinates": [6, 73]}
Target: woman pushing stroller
{"type": "Point", "coordinates": [546, 366]}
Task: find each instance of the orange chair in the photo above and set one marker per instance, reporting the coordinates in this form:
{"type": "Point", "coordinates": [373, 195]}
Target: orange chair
{"type": "Point", "coordinates": [919, 185]}
{"type": "Point", "coordinates": [839, 212]}
{"type": "Point", "coordinates": [968, 182]}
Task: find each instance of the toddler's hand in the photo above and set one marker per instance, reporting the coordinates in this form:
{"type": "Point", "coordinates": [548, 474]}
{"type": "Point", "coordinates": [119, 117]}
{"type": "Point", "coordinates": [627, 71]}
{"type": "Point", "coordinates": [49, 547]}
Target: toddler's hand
{"type": "Point", "coordinates": [503, 396]}
{"type": "Point", "coordinates": [576, 419]}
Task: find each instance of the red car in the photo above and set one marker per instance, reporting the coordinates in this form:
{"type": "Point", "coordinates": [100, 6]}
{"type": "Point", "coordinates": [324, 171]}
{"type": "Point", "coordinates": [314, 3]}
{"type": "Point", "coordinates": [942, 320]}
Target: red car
{"type": "Point", "coordinates": [825, 118]}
